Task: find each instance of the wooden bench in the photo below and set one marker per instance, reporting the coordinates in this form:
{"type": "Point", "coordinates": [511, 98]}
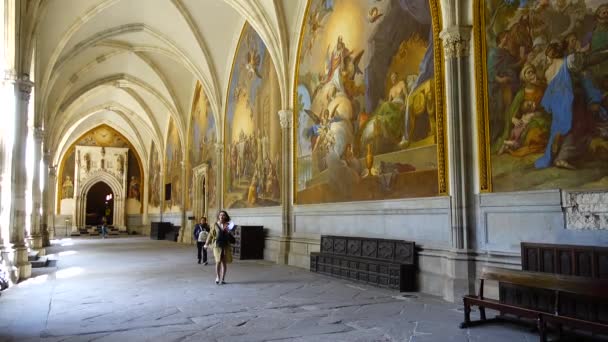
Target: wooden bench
{"type": "Point", "coordinates": [379, 262]}
{"type": "Point", "coordinates": [558, 285]}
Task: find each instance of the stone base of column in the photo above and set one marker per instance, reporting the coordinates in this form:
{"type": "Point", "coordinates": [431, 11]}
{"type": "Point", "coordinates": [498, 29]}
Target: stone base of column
{"type": "Point", "coordinates": [46, 239]}
{"type": "Point", "coordinates": [19, 266]}
{"type": "Point", "coordinates": [283, 252]}
{"type": "Point", "coordinates": [36, 244]}
{"type": "Point", "coordinates": [75, 231]}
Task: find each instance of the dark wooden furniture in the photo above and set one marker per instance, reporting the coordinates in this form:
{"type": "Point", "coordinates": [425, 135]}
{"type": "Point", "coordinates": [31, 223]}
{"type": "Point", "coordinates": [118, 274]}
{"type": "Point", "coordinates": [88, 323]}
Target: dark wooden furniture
{"type": "Point", "coordinates": [378, 262]}
{"type": "Point", "coordinates": [249, 242]}
{"type": "Point", "coordinates": [558, 286]}
{"type": "Point", "coordinates": [159, 230]}
{"type": "Point", "coordinates": [590, 262]}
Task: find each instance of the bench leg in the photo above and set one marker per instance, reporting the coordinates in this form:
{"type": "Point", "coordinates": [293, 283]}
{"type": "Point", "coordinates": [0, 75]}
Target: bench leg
{"type": "Point", "coordinates": [467, 315]}
{"type": "Point", "coordinates": [482, 313]}
{"type": "Point", "coordinates": [542, 328]}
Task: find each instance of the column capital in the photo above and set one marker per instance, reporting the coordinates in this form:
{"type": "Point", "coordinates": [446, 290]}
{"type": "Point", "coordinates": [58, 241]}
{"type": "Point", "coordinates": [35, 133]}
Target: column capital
{"type": "Point", "coordinates": [285, 116]}
{"type": "Point", "coordinates": [52, 170]}
{"type": "Point", "coordinates": [39, 133]}
{"type": "Point", "coordinates": [219, 147]}
{"type": "Point", "coordinates": [25, 87]}
{"type": "Point", "coordinates": [456, 41]}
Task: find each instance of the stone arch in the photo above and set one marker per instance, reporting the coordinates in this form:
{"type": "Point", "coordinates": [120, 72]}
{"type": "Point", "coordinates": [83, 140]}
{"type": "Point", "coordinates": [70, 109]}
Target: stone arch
{"type": "Point", "coordinates": [118, 188]}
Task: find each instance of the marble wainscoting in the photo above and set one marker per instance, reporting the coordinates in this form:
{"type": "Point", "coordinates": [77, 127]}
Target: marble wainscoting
{"type": "Point", "coordinates": [507, 219]}
{"type": "Point", "coordinates": [135, 224]}
{"type": "Point", "coordinates": [426, 221]}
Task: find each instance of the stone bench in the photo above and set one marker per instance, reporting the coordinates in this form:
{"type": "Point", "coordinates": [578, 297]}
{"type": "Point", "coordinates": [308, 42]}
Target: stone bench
{"type": "Point", "coordinates": [378, 262]}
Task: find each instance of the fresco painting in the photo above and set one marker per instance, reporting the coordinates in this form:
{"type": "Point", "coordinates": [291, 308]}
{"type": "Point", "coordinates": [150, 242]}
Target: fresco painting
{"type": "Point", "coordinates": [202, 140]}
{"type": "Point", "coordinates": [252, 151]}
{"type": "Point", "coordinates": [546, 93]}
{"type": "Point", "coordinates": [154, 194]}
{"type": "Point", "coordinates": [173, 168]}
{"type": "Point", "coordinates": [366, 102]}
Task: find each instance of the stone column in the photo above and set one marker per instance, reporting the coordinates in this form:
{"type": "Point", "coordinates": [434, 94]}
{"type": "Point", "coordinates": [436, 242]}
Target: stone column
{"type": "Point", "coordinates": [44, 217]}
{"type": "Point", "coordinates": [35, 237]}
{"type": "Point", "coordinates": [185, 227]}
{"type": "Point", "coordinates": [219, 176]}
{"type": "Point", "coordinates": [51, 198]}
{"type": "Point", "coordinates": [285, 117]}
{"type": "Point", "coordinates": [19, 253]}
{"type": "Point", "coordinates": [461, 144]}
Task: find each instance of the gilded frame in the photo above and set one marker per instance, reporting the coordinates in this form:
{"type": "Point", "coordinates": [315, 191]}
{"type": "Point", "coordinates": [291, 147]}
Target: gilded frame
{"type": "Point", "coordinates": [481, 75]}
{"type": "Point", "coordinates": [438, 64]}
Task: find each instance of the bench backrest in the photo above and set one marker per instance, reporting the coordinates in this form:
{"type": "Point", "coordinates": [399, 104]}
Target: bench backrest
{"type": "Point", "coordinates": [563, 283]}
{"type": "Point", "coordinates": [398, 251]}
{"type": "Point", "coordinates": [578, 260]}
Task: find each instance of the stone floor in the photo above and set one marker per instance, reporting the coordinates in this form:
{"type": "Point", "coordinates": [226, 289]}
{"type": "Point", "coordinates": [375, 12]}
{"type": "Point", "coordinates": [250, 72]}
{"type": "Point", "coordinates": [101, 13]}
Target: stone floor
{"type": "Point", "coordinates": [137, 289]}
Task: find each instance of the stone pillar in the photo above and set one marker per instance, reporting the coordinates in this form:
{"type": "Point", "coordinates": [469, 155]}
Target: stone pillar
{"type": "Point", "coordinates": [35, 237]}
{"type": "Point", "coordinates": [184, 222]}
{"type": "Point", "coordinates": [219, 184]}
{"type": "Point", "coordinates": [285, 117]}
{"type": "Point", "coordinates": [19, 253]}
{"type": "Point", "coordinates": [44, 217]}
{"type": "Point", "coordinates": [51, 198]}
{"type": "Point", "coordinates": [460, 145]}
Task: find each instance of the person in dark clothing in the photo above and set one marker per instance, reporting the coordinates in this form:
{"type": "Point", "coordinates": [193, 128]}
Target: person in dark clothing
{"type": "Point", "coordinates": [201, 230]}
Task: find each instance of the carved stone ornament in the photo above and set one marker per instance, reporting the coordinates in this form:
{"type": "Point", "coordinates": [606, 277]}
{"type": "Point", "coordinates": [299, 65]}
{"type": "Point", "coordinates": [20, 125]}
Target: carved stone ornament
{"type": "Point", "coordinates": [456, 41]}
{"type": "Point", "coordinates": [38, 133]}
{"type": "Point", "coordinates": [285, 116]}
{"type": "Point", "coordinates": [219, 147]}
{"type": "Point", "coordinates": [585, 209]}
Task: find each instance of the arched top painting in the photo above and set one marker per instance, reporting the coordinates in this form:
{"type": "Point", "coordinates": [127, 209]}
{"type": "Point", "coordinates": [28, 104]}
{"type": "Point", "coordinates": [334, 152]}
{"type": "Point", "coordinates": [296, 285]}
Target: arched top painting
{"type": "Point", "coordinates": [544, 86]}
{"type": "Point", "coordinates": [173, 167]}
{"type": "Point", "coordinates": [252, 133]}
{"type": "Point", "coordinates": [368, 102]}
{"type": "Point", "coordinates": [201, 142]}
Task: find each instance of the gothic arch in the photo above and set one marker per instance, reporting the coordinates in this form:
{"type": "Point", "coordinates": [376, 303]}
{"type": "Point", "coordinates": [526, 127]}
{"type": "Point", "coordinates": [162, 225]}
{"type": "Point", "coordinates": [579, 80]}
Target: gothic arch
{"type": "Point", "coordinates": [118, 188]}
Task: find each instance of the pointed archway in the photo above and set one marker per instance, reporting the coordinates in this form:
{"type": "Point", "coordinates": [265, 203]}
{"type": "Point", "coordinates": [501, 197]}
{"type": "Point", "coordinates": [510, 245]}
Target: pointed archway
{"type": "Point", "coordinates": [99, 204]}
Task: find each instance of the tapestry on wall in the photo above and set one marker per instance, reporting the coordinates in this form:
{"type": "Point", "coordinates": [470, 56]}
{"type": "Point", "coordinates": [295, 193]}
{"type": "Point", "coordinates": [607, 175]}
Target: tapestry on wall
{"type": "Point", "coordinates": [252, 153]}
{"type": "Point", "coordinates": [102, 136]}
{"type": "Point", "coordinates": [155, 180]}
{"type": "Point", "coordinates": [366, 102]}
{"type": "Point", "coordinates": [201, 142]}
{"type": "Point", "coordinates": [173, 168]}
{"type": "Point", "coordinates": [544, 95]}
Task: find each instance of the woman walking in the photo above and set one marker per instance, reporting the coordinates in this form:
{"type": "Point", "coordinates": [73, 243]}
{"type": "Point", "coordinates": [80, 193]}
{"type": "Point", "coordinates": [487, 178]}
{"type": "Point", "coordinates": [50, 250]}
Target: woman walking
{"type": "Point", "coordinates": [219, 239]}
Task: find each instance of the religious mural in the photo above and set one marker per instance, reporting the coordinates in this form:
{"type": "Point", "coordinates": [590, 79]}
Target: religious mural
{"type": "Point", "coordinates": [252, 131]}
{"type": "Point", "coordinates": [366, 102]}
{"type": "Point", "coordinates": [154, 193]}
{"type": "Point", "coordinates": [103, 136]}
{"type": "Point", "coordinates": [546, 93]}
{"type": "Point", "coordinates": [202, 140]}
{"type": "Point", "coordinates": [173, 168]}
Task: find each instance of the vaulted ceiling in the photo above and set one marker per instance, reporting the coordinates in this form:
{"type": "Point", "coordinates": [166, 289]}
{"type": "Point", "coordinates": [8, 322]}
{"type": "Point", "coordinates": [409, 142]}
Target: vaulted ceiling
{"type": "Point", "coordinates": [133, 64]}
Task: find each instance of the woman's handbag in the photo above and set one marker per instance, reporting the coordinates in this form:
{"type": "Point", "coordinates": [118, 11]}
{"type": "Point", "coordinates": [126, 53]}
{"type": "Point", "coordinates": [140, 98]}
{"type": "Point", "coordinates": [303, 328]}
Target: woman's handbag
{"type": "Point", "coordinates": [231, 239]}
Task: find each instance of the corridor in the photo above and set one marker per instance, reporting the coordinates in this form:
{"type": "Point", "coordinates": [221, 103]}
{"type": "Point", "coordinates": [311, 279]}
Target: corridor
{"type": "Point", "coordinates": [137, 289]}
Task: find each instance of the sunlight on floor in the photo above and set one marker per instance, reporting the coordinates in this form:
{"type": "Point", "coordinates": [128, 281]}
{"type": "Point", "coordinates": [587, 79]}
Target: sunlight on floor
{"type": "Point", "coordinates": [64, 253]}
{"type": "Point", "coordinates": [63, 242]}
{"type": "Point", "coordinates": [69, 272]}
{"type": "Point", "coordinates": [34, 281]}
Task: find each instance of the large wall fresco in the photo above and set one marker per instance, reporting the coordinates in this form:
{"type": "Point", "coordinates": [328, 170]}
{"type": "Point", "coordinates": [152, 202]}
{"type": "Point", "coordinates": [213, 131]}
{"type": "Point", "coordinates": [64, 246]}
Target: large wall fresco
{"type": "Point", "coordinates": [252, 131]}
{"type": "Point", "coordinates": [201, 142]}
{"type": "Point", "coordinates": [545, 89]}
{"type": "Point", "coordinates": [367, 102]}
{"type": "Point", "coordinates": [103, 136]}
{"type": "Point", "coordinates": [154, 192]}
{"type": "Point", "coordinates": [173, 168]}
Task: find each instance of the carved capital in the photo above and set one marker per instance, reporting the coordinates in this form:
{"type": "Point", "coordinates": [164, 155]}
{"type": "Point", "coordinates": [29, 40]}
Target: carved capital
{"type": "Point", "coordinates": [456, 41]}
{"type": "Point", "coordinates": [52, 170]}
{"type": "Point", "coordinates": [25, 88]}
{"type": "Point", "coordinates": [285, 116]}
{"type": "Point", "coordinates": [38, 133]}
{"type": "Point", "coordinates": [219, 147]}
